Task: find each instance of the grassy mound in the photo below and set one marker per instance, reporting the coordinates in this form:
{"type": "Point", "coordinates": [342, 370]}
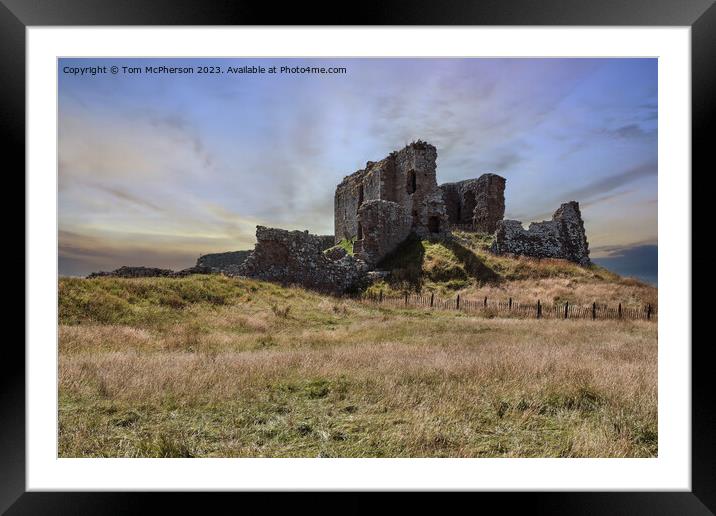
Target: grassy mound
{"type": "Point", "coordinates": [466, 261]}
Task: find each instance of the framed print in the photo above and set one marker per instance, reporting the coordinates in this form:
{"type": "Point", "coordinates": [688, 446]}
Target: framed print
{"type": "Point", "coordinates": [435, 249]}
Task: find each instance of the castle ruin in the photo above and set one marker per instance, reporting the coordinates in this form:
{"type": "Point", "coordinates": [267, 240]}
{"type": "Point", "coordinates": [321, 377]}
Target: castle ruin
{"type": "Point", "coordinates": [376, 209]}
{"type": "Point", "coordinates": [379, 206]}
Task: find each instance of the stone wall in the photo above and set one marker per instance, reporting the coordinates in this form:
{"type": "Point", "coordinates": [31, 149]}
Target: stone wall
{"type": "Point", "coordinates": [476, 204]}
{"type": "Point", "coordinates": [297, 257]}
{"type": "Point", "coordinates": [220, 261]}
{"type": "Point", "coordinates": [562, 237]}
{"type": "Point", "coordinates": [490, 202]}
{"type": "Point", "coordinates": [386, 224]}
{"type": "Point", "coordinates": [150, 272]}
{"type": "Point", "coordinates": [363, 185]}
{"type": "Point", "coordinates": [327, 241]}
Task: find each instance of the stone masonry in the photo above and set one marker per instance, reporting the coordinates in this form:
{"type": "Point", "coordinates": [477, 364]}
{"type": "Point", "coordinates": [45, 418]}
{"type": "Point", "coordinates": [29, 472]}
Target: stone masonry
{"type": "Point", "coordinates": [297, 257]}
{"type": "Point", "coordinates": [386, 224]}
{"type": "Point", "coordinates": [220, 261]}
{"type": "Point", "coordinates": [229, 261]}
{"type": "Point", "coordinates": [562, 237]}
{"type": "Point", "coordinates": [149, 272]}
{"type": "Point", "coordinates": [475, 204]}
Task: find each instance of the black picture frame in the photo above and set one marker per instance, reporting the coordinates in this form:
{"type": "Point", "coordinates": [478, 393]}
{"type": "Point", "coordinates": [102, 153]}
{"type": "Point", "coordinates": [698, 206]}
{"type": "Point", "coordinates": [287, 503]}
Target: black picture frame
{"type": "Point", "coordinates": [17, 15]}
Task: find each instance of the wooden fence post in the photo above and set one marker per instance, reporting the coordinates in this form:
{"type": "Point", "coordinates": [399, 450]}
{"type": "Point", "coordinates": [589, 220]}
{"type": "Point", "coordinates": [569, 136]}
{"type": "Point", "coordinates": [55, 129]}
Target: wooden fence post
{"type": "Point", "coordinates": [594, 311]}
{"type": "Point", "coordinates": [457, 304]}
{"type": "Point", "coordinates": [620, 310]}
{"type": "Point", "coordinates": [539, 309]}
{"type": "Point", "coordinates": [485, 302]}
{"type": "Point", "coordinates": [406, 299]}
{"type": "Point", "coordinates": [510, 304]}
{"type": "Point", "coordinates": [648, 311]}
{"type": "Point", "coordinates": [380, 297]}
{"type": "Point", "coordinates": [432, 299]}
{"type": "Point", "coordinates": [566, 308]}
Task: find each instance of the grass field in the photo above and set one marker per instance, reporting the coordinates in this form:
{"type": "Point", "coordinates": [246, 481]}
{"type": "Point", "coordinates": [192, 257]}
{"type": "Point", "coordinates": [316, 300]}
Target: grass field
{"type": "Point", "coordinates": [212, 366]}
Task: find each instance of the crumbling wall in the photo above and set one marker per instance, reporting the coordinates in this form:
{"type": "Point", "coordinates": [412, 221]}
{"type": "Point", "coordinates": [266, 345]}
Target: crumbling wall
{"type": "Point", "coordinates": [562, 237]}
{"type": "Point", "coordinates": [490, 202]}
{"type": "Point", "coordinates": [475, 204]}
{"type": "Point", "coordinates": [150, 272]}
{"type": "Point", "coordinates": [453, 203]}
{"type": "Point", "coordinates": [220, 261]}
{"type": "Point", "coordinates": [386, 224]}
{"type": "Point", "coordinates": [297, 257]}
{"type": "Point", "coordinates": [326, 241]}
{"type": "Point", "coordinates": [354, 190]}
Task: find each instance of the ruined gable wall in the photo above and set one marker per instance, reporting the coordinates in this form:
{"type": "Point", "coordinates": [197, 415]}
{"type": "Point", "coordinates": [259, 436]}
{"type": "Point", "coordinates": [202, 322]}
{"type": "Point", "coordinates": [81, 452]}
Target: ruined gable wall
{"type": "Point", "coordinates": [562, 237]}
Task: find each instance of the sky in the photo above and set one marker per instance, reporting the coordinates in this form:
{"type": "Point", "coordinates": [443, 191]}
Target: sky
{"type": "Point", "coordinates": [156, 169]}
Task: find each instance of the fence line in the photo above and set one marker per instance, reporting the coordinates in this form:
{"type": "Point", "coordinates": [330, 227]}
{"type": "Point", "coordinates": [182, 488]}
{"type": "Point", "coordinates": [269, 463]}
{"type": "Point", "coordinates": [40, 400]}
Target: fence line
{"type": "Point", "coordinates": [514, 308]}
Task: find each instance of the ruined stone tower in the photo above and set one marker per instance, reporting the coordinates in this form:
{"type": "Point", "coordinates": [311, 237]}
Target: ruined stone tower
{"type": "Point", "coordinates": [410, 201]}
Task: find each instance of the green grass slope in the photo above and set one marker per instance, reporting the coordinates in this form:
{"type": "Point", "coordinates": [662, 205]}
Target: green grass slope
{"type": "Point", "coordinates": [465, 265]}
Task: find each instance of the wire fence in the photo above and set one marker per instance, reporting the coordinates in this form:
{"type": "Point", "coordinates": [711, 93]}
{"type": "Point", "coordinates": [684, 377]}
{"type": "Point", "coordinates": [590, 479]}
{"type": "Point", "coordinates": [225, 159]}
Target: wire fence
{"type": "Point", "coordinates": [513, 308]}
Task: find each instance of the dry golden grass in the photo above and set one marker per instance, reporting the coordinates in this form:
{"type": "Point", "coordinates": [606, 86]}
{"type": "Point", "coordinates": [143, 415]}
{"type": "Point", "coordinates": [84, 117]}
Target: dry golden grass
{"type": "Point", "coordinates": [629, 293]}
{"type": "Point", "coordinates": [244, 368]}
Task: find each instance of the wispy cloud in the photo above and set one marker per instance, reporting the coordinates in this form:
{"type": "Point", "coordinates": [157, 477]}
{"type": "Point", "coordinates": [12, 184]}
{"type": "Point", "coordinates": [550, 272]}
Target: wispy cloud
{"type": "Point", "coordinates": [629, 131]}
{"type": "Point", "coordinates": [612, 182]}
{"type": "Point", "coordinates": [123, 195]}
{"type": "Point", "coordinates": [596, 192]}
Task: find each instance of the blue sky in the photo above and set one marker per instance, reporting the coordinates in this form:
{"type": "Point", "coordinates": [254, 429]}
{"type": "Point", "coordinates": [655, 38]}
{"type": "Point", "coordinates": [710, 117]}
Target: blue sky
{"type": "Point", "coordinates": [158, 169]}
